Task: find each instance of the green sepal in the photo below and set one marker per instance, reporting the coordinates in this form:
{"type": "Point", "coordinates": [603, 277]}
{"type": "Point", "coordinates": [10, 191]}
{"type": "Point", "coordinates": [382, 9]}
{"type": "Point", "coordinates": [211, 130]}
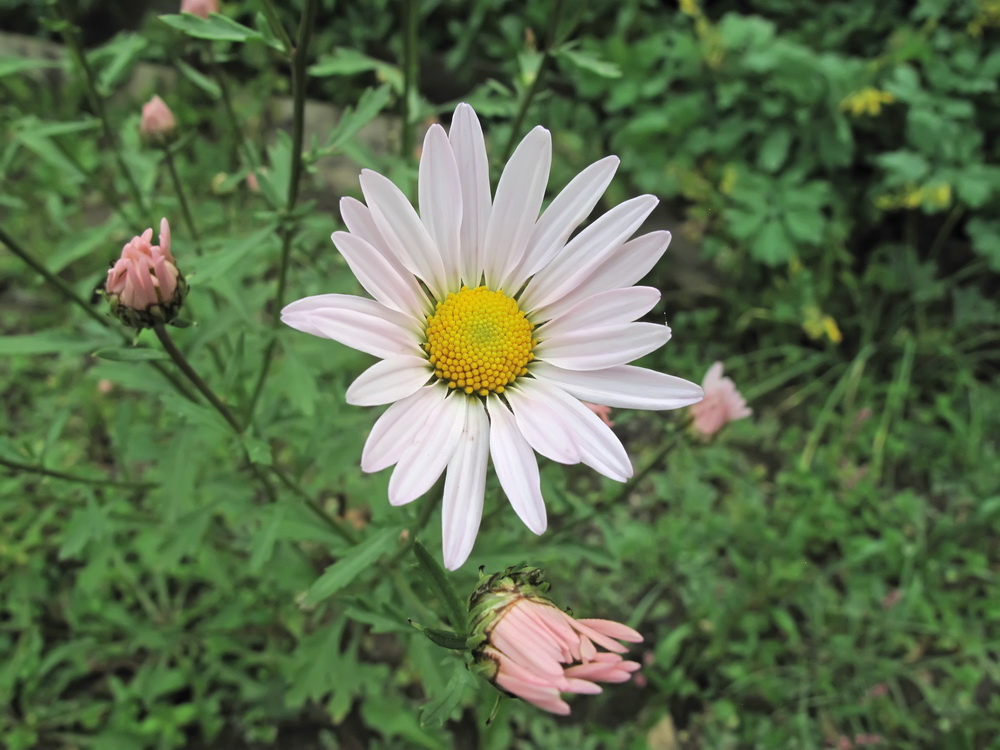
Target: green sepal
{"type": "Point", "coordinates": [443, 638]}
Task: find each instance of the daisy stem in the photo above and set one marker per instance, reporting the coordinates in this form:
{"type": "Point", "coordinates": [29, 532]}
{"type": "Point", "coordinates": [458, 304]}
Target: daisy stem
{"type": "Point", "coordinates": [31, 469]}
{"type": "Point", "coordinates": [300, 59]}
{"type": "Point", "coordinates": [182, 197]}
{"type": "Point", "coordinates": [529, 94]}
{"type": "Point", "coordinates": [67, 291]}
{"type": "Point", "coordinates": [68, 32]}
{"type": "Point", "coordinates": [457, 614]}
{"type": "Point", "coordinates": [410, 72]}
{"type": "Point", "coordinates": [196, 380]}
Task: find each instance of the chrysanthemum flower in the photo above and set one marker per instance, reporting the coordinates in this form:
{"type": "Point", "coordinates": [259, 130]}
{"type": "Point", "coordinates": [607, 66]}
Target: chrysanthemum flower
{"type": "Point", "coordinates": [492, 325]}
{"type": "Point", "coordinates": [158, 124]}
{"type": "Point", "coordinates": [144, 286]}
{"type": "Point", "coordinates": [722, 403]}
{"type": "Point", "coordinates": [530, 648]}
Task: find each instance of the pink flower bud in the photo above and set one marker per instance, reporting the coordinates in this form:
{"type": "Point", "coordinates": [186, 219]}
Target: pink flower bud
{"type": "Point", "coordinates": [604, 412]}
{"type": "Point", "coordinates": [158, 124]}
{"type": "Point", "coordinates": [722, 403]}
{"type": "Point", "coordinates": [200, 7]}
{"type": "Point", "coordinates": [144, 286]}
{"type": "Point", "coordinates": [531, 649]}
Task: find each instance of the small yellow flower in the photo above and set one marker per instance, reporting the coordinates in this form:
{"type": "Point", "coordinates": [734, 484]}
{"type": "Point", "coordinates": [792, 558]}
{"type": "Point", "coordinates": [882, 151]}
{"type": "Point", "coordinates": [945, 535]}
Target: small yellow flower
{"type": "Point", "coordinates": [940, 195]}
{"type": "Point", "coordinates": [690, 8]}
{"type": "Point", "coordinates": [728, 181]}
{"type": "Point", "coordinates": [818, 325]}
{"type": "Point", "coordinates": [867, 101]}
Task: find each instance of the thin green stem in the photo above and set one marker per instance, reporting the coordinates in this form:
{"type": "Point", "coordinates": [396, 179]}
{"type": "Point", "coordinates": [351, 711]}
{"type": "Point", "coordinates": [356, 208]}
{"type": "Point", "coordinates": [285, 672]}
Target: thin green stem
{"type": "Point", "coordinates": [69, 36]}
{"type": "Point", "coordinates": [271, 14]}
{"type": "Point", "coordinates": [672, 442]}
{"type": "Point", "coordinates": [426, 511]}
{"type": "Point", "coordinates": [335, 524]}
{"type": "Point", "coordinates": [182, 197]}
{"type": "Point", "coordinates": [227, 106]}
{"type": "Point", "coordinates": [410, 73]}
{"type": "Point", "coordinates": [300, 61]}
{"type": "Point", "coordinates": [438, 580]}
{"type": "Point", "coordinates": [18, 466]}
{"type": "Point", "coordinates": [550, 43]}
{"type": "Point", "coordinates": [196, 380]}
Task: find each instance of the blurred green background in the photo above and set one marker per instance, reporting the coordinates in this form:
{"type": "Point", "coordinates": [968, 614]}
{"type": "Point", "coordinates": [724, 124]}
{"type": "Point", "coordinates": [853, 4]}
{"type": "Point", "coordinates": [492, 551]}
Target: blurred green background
{"type": "Point", "coordinates": [821, 575]}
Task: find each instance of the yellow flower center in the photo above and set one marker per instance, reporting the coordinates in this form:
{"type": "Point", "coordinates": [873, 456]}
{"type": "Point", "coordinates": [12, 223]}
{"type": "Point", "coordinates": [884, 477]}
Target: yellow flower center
{"type": "Point", "coordinates": [479, 340]}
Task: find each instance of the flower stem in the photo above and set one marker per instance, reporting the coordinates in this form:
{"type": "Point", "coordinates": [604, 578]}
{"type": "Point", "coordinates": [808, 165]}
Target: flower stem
{"type": "Point", "coordinates": [300, 60]}
{"type": "Point", "coordinates": [196, 380]}
{"type": "Point", "coordinates": [457, 614]}
{"type": "Point", "coordinates": [550, 43]}
{"type": "Point", "coordinates": [182, 197]}
{"type": "Point", "coordinates": [69, 36]}
{"type": "Point", "coordinates": [31, 469]}
{"type": "Point", "coordinates": [658, 459]}
{"type": "Point", "coordinates": [335, 524]}
{"type": "Point", "coordinates": [410, 73]}
{"type": "Point", "coordinates": [271, 14]}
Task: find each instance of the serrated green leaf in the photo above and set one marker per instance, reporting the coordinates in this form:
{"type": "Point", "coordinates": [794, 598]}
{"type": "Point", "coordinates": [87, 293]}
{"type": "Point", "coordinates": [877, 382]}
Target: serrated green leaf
{"type": "Point", "coordinates": [371, 103]}
{"type": "Point", "coordinates": [588, 62]}
{"type": "Point", "coordinates": [258, 450]}
{"type": "Point", "coordinates": [216, 27]}
{"type": "Point", "coordinates": [131, 354]}
{"type": "Point", "coordinates": [343, 572]}
{"type": "Point", "coordinates": [200, 80]}
{"type": "Point", "coordinates": [439, 709]}
{"type": "Point", "coordinates": [772, 244]}
{"type": "Point", "coordinates": [774, 149]}
{"type": "Point", "coordinates": [124, 52]}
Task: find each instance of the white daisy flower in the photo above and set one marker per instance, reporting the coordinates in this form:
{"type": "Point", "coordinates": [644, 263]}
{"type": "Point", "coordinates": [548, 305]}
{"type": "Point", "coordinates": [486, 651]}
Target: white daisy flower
{"type": "Point", "coordinates": [492, 326]}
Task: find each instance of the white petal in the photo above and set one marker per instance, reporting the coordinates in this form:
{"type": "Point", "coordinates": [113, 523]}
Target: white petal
{"type": "Point", "coordinates": [402, 230]}
{"type": "Point", "coordinates": [541, 425]}
{"type": "Point", "coordinates": [397, 428]}
{"type": "Point", "coordinates": [631, 262]}
{"type": "Point", "coordinates": [440, 192]}
{"type": "Point", "coordinates": [358, 220]}
{"type": "Point", "coordinates": [516, 466]}
{"type": "Point", "coordinates": [469, 147]}
{"type": "Point", "coordinates": [389, 380]}
{"type": "Point", "coordinates": [598, 446]}
{"type": "Point", "coordinates": [515, 210]}
{"type": "Point", "coordinates": [623, 387]}
{"type": "Point", "coordinates": [423, 461]}
{"type": "Point", "coordinates": [585, 252]}
{"type": "Point", "coordinates": [465, 486]}
{"type": "Point", "coordinates": [395, 288]}
{"type": "Point", "coordinates": [566, 212]}
{"type": "Point", "coordinates": [598, 348]}
{"type": "Point", "coordinates": [612, 307]}
{"type": "Point", "coordinates": [359, 323]}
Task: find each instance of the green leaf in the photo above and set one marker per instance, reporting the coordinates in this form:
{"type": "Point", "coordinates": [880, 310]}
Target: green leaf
{"type": "Point", "coordinates": [439, 709]}
{"type": "Point", "coordinates": [349, 62]}
{"type": "Point", "coordinates": [774, 149]}
{"type": "Point", "coordinates": [985, 236]}
{"type": "Point", "coordinates": [12, 65]}
{"type": "Point", "coordinates": [588, 62]}
{"type": "Point", "coordinates": [200, 80]}
{"type": "Point", "coordinates": [371, 103]}
{"type": "Point", "coordinates": [439, 583]}
{"type": "Point", "coordinates": [443, 638]}
{"type": "Point", "coordinates": [216, 27]}
{"type": "Point", "coordinates": [125, 51]}
{"type": "Point", "coordinates": [805, 226]}
{"type": "Point", "coordinates": [212, 265]}
{"type": "Point", "coordinates": [131, 354]}
{"type": "Point", "coordinates": [44, 342]}
{"type": "Point", "coordinates": [263, 544]}
{"type": "Point", "coordinates": [258, 450]}
{"type": "Point", "coordinates": [772, 245]}
{"type": "Point", "coordinates": [347, 568]}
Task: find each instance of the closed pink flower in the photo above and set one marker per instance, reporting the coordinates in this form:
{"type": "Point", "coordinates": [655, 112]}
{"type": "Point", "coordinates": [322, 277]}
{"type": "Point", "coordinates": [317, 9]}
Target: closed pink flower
{"type": "Point", "coordinates": [157, 124]}
{"type": "Point", "coordinates": [533, 650]}
{"type": "Point", "coordinates": [604, 412]}
{"type": "Point", "coordinates": [722, 403]}
{"type": "Point", "coordinates": [200, 7]}
{"type": "Point", "coordinates": [144, 285]}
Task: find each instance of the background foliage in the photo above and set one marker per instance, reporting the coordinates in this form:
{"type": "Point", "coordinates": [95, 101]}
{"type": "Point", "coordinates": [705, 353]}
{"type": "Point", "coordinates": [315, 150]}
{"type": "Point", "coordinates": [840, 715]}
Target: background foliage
{"type": "Point", "coordinates": [823, 575]}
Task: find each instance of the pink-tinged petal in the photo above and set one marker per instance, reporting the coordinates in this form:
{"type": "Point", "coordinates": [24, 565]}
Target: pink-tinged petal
{"type": "Point", "coordinates": [600, 672]}
{"type": "Point", "coordinates": [614, 629]}
{"type": "Point", "coordinates": [165, 239]}
{"type": "Point", "coordinates": [469, 147]}
{"type": "Point", "coordinates": [515, 466]}
{"type": "Point", "coordinates": [358, 220]}
{"type": "Point", "coordinates": [600, 348]}
{"type": "Point", "coordinates": [359, 323]}
{"type": "Point", "coordinates": [519, 197]}
{"type": "Point", "coordinates": [566, 212]}
{"type": "Point", "coordinates": [440, 192]}
{"type": "Point", "coordinates": [599, 638]}
{"type": "Point", "coordinates": [541, 426]}
{"type": "Point", "coordinates": [623, 386]}
{"type": "Point", "coordinates": [613, 307]}
{"type": "Point", "coordinates": [722, 403]}
{"type": "Point", "coordinates": [545, 698]}
{"type": "Point", "coordinates": [596, 444]}
{"type": "Point", "coordinates": [389, 380]}
{"type": "Point", "coordinates": [629, 264]}
{"type": "Point", "coordinates": [582, 687]}
{"type": "Point", "coordinates": [399, 291]}
{"type": "Point", "coordinates": [399, 426]}
{"type": "Point", "coordinates": [423, 461]}
{"type": "Point", "coordinates": [403, 231]}
{"type": "Point", "coordinates": [465, 486]}
{"type": "Point", "coordinates": [585, 252]}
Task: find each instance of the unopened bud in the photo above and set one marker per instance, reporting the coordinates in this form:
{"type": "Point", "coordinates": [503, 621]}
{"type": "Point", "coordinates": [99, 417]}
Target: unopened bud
{"type": "Point", "coordinates": [144, 286]}
{"type": "Point", "coordinates": [158, 125]}
{"type": "Point", "coordinates": [200, 7]}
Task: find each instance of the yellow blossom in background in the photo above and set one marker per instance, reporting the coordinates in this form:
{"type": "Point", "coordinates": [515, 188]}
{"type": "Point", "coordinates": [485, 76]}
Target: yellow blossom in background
{"type": "Point", "coordinates": [932, 196]}
{"type": "Point", "coordinates": [868, 101]}
{"type": "Point", "coordinates": [728, 181]}
{"type": "Point", "coordinates": [987, 15]}
{"type": "Point", "coordinates": [818, 325]}
{"type": "Point", "coordinates": [690, 8]}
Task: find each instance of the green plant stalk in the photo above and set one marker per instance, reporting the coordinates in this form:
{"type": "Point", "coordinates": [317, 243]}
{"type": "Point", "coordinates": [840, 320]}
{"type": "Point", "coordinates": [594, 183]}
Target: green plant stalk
{"type": "Point", "coordinates": [271, 14]}
{"type": "Point", "coordinates": [335, 524]}
{"type": "Point", "coordinates": [457, 614]}
{"type": "Point", "coordinates": [227, 106]}
{"type": "Point", "coordinates": [97, 102]}
{"type": "Point", "coordinates": [31, 469]}
{"type": "Point", "coordinates": [672, 442]}
{"type": "Point", "coordinates": [300, 61]}
{"type": "Point", "coordinates": [182, 197]}
{"type": "Point", "coordinates": [551, 42]}
{"type": "Point", "coordinates": [410, 73]}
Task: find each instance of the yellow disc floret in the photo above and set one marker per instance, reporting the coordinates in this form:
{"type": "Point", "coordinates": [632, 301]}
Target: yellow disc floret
{"type": "Point", "coordinates": [479, 340]}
